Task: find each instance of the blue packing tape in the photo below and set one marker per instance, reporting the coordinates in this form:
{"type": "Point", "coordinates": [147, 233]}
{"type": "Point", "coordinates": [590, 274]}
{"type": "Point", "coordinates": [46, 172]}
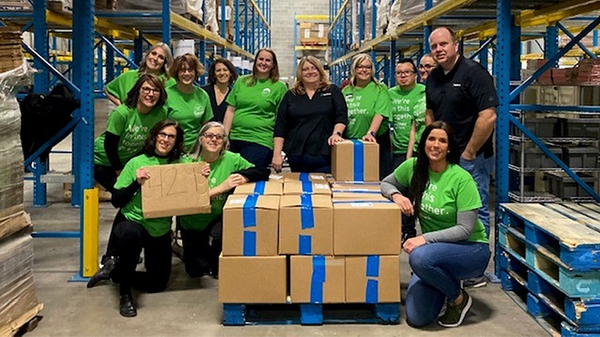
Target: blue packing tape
{"type": "Point", "coordinates": [372, 294]}
{"type": "Point", "coordinates": [249, 243]}
{"type": "Point", "coordinates": [373, 266]}
{"type": "Point", "coordinates": [359, 160]}
{"type": "Point", "coordinates": [249, 211]}
{"type": "Point", "coordinates": [304, 244]}
{"type": "Point", "coordinates": [304, 177]}
{"type": "Point", "coordinates": [307, 220]}
{"type": "Point", "coordinates": [249, 220]}
{"type": "Point", "coordinates": [372, 291]}
{"type": "Point", "coordinates": [317, 279]}
{"type": "Point", "coordinates": [259, 187]}
{"type": "Point", "coordinates": [306, 187]}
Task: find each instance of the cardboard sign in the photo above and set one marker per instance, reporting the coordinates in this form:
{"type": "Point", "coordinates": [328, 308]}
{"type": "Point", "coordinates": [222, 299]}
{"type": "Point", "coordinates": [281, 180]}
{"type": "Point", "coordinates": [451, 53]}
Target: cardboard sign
{"type": "Point", "coordinates": [176, 189]}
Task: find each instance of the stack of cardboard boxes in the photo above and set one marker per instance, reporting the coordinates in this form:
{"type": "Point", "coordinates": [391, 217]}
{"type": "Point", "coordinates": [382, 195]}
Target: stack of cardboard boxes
{"type": "Point", "coordinates": [294, 239]}
{"type": "Point", "coordinates": [18, 299]}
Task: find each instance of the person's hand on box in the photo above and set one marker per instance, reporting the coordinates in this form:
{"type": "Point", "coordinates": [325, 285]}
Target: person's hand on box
{"type": "Point", "coordinates": [141, 175]}
{"type": "Point", "coordinates": [205, 170]}
{"type": "Point", "coordinates": [277, 162]}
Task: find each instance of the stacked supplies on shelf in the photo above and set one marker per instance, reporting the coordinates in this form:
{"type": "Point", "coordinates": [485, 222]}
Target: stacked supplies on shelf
{"type": "Point", "coordinates": [18, 299]}
{"type": "Point", "coordinates": [11, 56]}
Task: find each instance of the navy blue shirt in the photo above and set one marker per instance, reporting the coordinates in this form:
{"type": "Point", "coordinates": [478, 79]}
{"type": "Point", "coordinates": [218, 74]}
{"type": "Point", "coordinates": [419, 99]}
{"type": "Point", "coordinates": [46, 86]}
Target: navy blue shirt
{"type": "Point", "coordinates": [307, 123]}
{"type": "Point", "coordinates": [218, 110]}
{"type": "Point", "coordinates": [457, 98]}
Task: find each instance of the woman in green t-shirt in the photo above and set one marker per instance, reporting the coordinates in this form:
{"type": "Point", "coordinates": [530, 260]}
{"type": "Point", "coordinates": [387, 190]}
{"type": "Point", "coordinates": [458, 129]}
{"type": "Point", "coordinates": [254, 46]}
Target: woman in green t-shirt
{"type": "Point", "coordinates": [253, 102]}
{"type": "Point", "coordinates": [187, 103]}
{"type": "Point", "coordinates": [156, 60]}
{"type": "Point", "coordinates": [453, 245]}
{"type": "Point", "coordinates": [132, 232]}
{"type": "Point", "coordinates": [369, 109]}
{"type": "Point", "coordinates": [127, 127]}
{"type": "Point", "coordinates": [226, 171]}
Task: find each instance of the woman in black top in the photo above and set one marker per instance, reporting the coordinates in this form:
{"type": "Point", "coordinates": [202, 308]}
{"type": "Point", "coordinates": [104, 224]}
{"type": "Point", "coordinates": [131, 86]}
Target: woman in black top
{"type": "Point", "coordinates": [312, 116]}
{"type": "Point", "coordinates": [221, 76]}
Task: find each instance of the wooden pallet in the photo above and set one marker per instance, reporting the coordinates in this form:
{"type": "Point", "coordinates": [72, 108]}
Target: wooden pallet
{"type": "Point", "coordinates": [556, 235]}
{"type": "Point", "coordinates": [583, 284]}
{"type": "Point", "coordinates": [311, 314]}
{"type": "Point", "coordinates": [103, 195]}
{"type": "Point", "coordinates": [583, 314]}
{"type": "Point", "coordinates": [24, 323]}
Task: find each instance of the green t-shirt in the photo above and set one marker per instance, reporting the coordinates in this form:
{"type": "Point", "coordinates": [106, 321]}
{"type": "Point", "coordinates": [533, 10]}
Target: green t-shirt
{"type": "Point", "coordinates": [219, 172]}
{"type": "Point", "coordinates": [363, 105]}
{"type": "Point", "coordinates": [191, 111]}
{"type": "Point", "coordinates": [447, 193]}
{"type": "Point", "coordinates": [133, 210]}
{"type": "Point", "coordinates": [255, 110]}
{"type": "Point", "coordinates": [122, 84]}
{"type": "Point", "coordinates": [407, 105]}
{"type": "Point", "coordinates": [132, 126]}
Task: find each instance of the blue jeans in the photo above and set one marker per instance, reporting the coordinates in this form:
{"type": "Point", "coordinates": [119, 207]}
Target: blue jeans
{"type": "Point", "coordinates": [481, 170]}
{"type": "Point", "coordinates": [310, 163]}
{"type": "Point", "coordinates": [438, 268]}
{"type": "Point", "coordinates": [258, 155]}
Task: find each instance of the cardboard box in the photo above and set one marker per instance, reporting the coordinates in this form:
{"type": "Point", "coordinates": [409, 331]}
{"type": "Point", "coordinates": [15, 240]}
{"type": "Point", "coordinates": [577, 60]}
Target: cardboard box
{"type": "Point", "coordinates": [306, 225]}
{"type": "Point", "coordinates": [306, 187]}
{"type": "Point", "coordinates": [250, 225]}
{"type": "Point", "coordinates": [356, 191]}
{"type": "Point", "coordinates": [355, 160]}
{"type": "Point", "coordinates": [260, 188]}
{"type": "Point", "coordinates": [317, 279]}
{"type": "Point", "coordinates": [320, 178]}
{"type": "Point", "coordinates": [259, 279]}
{"type": "Point", "coordinates": [373, 279]}
{"type": "Point", "coordinates": [175, 189]}
{"type": "Point", "coordinates": [366, 228]}
{"type": "Point", "coordinates": [276, 177]}
{"type": "Point", "coordinates": [312, 32]}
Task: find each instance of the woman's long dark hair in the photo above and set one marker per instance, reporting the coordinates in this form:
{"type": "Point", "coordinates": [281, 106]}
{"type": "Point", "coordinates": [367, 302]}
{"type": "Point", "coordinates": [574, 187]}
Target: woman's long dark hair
{"type": "Point", "coordinates": [150, 142]}
{"type": "Point", "coordinates": [133, 96]}
{"type": "Point", "coordinates": [420, 178]}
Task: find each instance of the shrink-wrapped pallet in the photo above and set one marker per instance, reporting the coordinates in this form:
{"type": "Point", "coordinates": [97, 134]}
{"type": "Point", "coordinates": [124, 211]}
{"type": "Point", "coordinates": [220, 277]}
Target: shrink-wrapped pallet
{"type": "Point", "coordinates": [404, 10]}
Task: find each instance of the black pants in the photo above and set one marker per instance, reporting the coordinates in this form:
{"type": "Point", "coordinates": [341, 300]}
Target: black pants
{"type": "Point", "coordinates": [310, 163]}
{"type": "Point", "coordinates": [385, 155]}
{"type": "Point", "coordinates": [258, 155]}
{"type": "Point", "coordinates": [129, 239]}
{"type": "Point", "coordinates": [200, 254]}
{"type": "Point", "coordinates": [106, 176]}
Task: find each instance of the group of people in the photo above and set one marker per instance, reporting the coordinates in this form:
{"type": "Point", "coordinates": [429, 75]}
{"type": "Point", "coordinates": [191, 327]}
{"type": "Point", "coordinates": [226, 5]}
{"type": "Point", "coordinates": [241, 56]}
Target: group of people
{"type": "Point", "coordinates": [434, 137]}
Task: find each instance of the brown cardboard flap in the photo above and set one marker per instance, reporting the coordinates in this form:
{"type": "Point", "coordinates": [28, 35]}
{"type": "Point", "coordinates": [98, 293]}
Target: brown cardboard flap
{"type": "Point", "coordinates": [262, 202]}
{"type": "Point", "coordinates": [14, 223]}
{"type": "Point", "coordinates": [293, 201]}
{"type": "Point", "coordinates": [175, 189]}
{"type": "Point", "coordinates": [388, 279]}
{"type": "Point", "coordinates": [347, 196]}
{"type": "Point", "coordinates": [260, 279]}
{"type": "Point", "coordinates": [297, 187]}
{"type": "Point", "coordinates": [302, 270]}
{"type": "Point", "coordinates": [342, 161]}
{"type": "Point", "coordinates": [270, 188]}
{"type": "Point", "coordinates": [355, 187]}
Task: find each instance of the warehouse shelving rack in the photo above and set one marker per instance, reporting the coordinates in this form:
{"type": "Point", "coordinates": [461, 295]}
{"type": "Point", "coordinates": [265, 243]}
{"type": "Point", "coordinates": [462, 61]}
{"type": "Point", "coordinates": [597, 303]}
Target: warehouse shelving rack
{"type": "Point", "coordinates": [497, 27]}
{"type": "Point", "coordinates": [97, 40]}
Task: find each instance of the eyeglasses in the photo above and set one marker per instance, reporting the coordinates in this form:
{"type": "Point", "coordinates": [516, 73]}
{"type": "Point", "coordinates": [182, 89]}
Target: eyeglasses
{"type": "Point", "coordinates": [426, 66]}
{"type": "Point", "coordinates": [363, 67]}
{"type": "Point", "coordinates": [163, 135]}
{"type": "Point", "coordinates": [147, 90]}
{"type": "Point", "coordinates": [405, 73]}
{"type": "Point", "coordinates": [211, 136]}
{"type": "Point", "coordinates": [309, 69]}
{"type": "Point", "coordinates": [184, 70]}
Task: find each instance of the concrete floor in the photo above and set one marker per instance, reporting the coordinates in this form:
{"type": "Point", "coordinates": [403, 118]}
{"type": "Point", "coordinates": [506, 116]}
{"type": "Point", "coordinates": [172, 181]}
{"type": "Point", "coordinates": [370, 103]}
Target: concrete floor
{"type": "Point", "coordinates": [190, 307]}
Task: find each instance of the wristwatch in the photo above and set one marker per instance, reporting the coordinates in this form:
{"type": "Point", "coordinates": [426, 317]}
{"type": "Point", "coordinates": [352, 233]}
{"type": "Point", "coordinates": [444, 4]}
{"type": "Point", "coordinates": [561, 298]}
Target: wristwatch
{"type": "Point", "coordinates": [372, 133]}
{"type": "Point", "coordinates": [338, 133]}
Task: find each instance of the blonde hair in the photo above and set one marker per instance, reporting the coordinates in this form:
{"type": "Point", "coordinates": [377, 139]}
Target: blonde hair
{"type": "Point", "coordinates": [298, 86]}
{"type": "Point", "coordinates": [356, 61]}
{"type": "Point", "coordinates": [168, 59]}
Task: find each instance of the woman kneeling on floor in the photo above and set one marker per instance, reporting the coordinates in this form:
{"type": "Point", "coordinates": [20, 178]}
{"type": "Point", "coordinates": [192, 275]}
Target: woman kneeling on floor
{"type": "Point", "coordinates": [454, 245]}
{"type": "Point", "coordinates": [227, 170]}
{"type": "Point", "coordinates": [131, 232]}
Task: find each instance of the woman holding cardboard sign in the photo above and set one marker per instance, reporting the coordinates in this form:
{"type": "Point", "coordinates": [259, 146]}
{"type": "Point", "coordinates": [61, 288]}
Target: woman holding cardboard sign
{"type": "Point", "coordinates": [312, 116]}
{"type": "Point", "coordinates": [369, 109]}
{"type": "Point", "coordinates": [132, 232]}
{"type": "Point", "coordinates": [454, 245]}
{"type": "Point", "coordinates": [225, 170]}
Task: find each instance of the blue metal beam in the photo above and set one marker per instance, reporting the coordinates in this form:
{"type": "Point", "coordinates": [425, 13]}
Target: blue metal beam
{"type": "Point", "coordinates": [483, 46]}
{"type": "Point", "coordinates": [553, 59]}
{"type": "Point", "coordinates": [571, 36]}
{"type": "Point", "coordinates": [166, 22]}
{"type": "Point", "coordinates": [45, 64]}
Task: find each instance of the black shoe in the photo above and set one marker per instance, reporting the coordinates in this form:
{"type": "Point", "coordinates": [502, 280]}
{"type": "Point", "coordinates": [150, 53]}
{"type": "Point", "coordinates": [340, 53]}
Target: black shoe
{"type": "Point", "coordinates": [103, 273]}
{"type": "Point", "coordinates": [126, 306]}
